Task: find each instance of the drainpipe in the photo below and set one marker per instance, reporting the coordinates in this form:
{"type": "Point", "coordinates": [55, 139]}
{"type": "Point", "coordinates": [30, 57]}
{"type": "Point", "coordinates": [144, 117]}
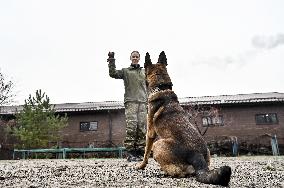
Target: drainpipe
{"type": "Point", "coordinates": [109, 128]}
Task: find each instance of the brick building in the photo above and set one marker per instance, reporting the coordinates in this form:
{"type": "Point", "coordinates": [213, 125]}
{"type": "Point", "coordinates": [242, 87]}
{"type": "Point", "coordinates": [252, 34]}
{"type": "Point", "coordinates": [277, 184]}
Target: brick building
{"type": "Point", "coordinates": [251, 119]}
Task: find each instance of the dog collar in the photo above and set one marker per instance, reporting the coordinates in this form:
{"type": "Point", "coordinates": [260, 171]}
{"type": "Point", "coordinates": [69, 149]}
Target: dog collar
{"type": "Point", "coordinates": [161, 94]}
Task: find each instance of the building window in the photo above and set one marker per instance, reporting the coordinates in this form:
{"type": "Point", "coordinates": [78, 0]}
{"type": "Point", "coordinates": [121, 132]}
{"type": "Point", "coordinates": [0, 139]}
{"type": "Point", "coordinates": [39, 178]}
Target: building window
{"type": "Point", "coordinates": [88, 126]}
{"type": "Point", "coordinates": [212, 121]}
{"type": "Point", "coordinates": [269, 118]}
{"type": "Point", "coordinates": [206, 121]}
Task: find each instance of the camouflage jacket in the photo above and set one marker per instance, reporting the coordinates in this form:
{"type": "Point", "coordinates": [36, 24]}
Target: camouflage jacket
{"type": "Point", "coordinates": [134, 82]}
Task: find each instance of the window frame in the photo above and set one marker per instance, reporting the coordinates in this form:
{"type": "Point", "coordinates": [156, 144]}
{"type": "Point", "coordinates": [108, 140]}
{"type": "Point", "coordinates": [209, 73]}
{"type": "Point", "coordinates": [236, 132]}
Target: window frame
{"type": "Point", "coordinates": [211, 121]}
{"type": "Point", "coordinates": [266, 122]}
{"type": "Point", "coordinates": [89, 126]}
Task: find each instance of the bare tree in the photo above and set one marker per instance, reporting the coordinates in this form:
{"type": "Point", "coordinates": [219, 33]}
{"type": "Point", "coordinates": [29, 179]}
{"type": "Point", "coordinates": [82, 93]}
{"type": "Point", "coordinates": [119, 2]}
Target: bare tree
{"type": "Point", "coordinates": [197, 111]}
{"type": "Point", "coordinates": [6, 97]}
{"type": "Point", "coordinates": [6, 90]}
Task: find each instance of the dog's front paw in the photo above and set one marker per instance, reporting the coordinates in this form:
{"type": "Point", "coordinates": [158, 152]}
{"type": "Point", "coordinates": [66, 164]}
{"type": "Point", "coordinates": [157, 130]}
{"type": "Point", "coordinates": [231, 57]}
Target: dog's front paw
{"type": "Point", "coordinates": [141, 165]}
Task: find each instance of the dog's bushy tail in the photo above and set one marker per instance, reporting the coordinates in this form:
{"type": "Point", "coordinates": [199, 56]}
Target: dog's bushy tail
{"type": "Point", "coordinates": [220, 176]}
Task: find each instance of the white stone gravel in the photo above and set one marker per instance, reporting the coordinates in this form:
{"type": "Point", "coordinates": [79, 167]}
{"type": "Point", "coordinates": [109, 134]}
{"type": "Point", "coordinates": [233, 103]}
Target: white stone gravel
{"type": "Point", "coordinates": [258, 171]}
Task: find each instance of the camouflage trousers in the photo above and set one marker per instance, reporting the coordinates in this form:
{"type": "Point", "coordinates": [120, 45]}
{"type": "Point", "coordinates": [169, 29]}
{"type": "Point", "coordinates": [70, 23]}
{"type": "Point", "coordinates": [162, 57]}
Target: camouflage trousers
{"type": "Point", "coordinates": [136, 118]}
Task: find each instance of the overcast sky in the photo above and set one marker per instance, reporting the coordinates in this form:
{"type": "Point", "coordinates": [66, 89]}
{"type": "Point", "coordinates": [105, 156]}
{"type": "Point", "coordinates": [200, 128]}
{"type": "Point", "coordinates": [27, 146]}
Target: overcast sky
{"type": "Point", "coordinates": [218, 47]}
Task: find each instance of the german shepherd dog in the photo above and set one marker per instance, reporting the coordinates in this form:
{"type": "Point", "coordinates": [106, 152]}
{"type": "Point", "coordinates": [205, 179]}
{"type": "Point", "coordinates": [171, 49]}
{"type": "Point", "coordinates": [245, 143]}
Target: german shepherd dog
{"type": "Point", "coordinates": [176, 144]}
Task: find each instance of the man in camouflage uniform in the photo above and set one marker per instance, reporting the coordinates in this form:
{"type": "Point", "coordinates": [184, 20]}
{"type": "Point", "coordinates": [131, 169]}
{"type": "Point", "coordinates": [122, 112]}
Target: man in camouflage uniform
{"type": "Point", "coordinates": [135, 101]}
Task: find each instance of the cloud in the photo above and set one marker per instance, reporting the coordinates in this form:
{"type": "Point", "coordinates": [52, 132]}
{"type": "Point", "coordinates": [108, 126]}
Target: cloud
{"type": "Point", "coordinates": [260, 45]}
{"type": "Point", "coordinates": [268, 42]}
{"type": "Point", "coordinates": [235, 60]}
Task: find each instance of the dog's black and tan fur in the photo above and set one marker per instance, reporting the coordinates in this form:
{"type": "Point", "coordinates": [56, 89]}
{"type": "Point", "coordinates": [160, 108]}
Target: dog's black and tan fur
{"type": "Point", "coordinates": [178, 145]}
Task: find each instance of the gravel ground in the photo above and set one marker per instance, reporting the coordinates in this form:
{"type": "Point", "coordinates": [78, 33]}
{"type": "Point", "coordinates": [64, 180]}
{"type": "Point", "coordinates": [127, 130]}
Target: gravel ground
{"type": "Point", "coordinates": [260, 171]}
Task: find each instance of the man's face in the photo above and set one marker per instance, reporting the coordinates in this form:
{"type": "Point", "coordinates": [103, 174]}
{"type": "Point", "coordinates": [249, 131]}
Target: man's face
{"type": "Point", "coordinates": [135, 57]}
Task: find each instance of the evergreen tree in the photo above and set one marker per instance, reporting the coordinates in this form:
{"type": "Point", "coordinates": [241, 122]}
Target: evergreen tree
{"type": "Point", "coordinates": [37, 124]}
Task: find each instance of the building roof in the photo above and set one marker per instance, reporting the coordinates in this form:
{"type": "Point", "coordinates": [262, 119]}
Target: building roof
{"type": "Point", "coordinates": [89, 106]}
{"type": "Point", "coordinates": [204, 100]}
{"type": "Point", "coordinates": [232, 99]}
{"type": "Point", "coordinates": [72, 107]}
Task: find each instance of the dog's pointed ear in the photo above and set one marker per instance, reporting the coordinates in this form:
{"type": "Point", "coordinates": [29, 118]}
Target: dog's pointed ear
{"type": "Point", "coordinates": [147, 60]}
{"type": "Point", "coordinates": [162, 58]}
